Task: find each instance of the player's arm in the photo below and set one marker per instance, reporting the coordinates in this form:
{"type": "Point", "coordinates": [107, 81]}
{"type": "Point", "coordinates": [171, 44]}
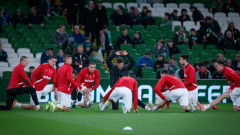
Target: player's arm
{"type": "Point", "coordinates": [159, 86]}
{"type": "Point", "coordinates": [135, 97]}
{"type": "Point", "coordinates": [69, 77]}
{"type": "Point", "coordinates": [108, 94]}
{"type": "Point", "coordinates": [25, 77]}
{"type": "Point", "coordinates": [109, 60]}
{"type": "Point", "coordinates": [37, 71]}
{"type": "Point", "coordinates": [80, 78]}
{"type": "Point", "coordinates": [97, 81]}
{"type": "Point", "coordinates": [236, 78]}
{"type": "Point", "coordinates": [189, 81]}
{"type": "Point", "coordinates": [54, 79]}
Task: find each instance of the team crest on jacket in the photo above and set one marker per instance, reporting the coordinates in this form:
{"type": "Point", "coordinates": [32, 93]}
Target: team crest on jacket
{"type": "Point", "coordinates": [83, 58]}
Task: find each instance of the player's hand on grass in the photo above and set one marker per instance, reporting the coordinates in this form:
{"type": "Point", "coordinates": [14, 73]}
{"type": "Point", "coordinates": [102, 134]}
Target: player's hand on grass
{"type": "Point", "coordinates": [135, 110]}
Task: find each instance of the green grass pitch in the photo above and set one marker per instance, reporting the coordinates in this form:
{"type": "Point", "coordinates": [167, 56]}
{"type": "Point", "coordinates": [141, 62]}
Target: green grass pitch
{"type": "Point", "coordinates": [91, 121]}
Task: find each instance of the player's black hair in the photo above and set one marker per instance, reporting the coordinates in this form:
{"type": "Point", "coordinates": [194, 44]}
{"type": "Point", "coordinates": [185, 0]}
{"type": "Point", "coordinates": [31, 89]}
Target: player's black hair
{"type": "Point", "coordinates": [165, 72]}
{"type": "Point", "coordinates": [147, 53]}
{"type": "Point", "coordinates": [92, 63]}
{"type": "Point", "coordinates": [220, 62]}
{"type": "Point", "coordinates": [66, 56]}
{"type": "Point", "coordinates": [121, 7]}
{"type": "Point", "coordinates": [31, 67]}
{"type": "Point", "coordinates": [53, 57]}
{"type": "Point", "coordinates": [75, 72]}
{"type": "Point", "coordinates": [165, 62]}
{"type": "Point", "coordinates": [120, 60]}
{"type": "Point", "coordinates": [185, 57]}
{"type": "Point", "coordinates": [192, 29]}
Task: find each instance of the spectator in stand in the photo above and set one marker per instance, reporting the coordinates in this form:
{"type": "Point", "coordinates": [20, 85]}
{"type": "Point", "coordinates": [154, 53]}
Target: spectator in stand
{"type": "Point", "coordinates": [173, 63]}
{"type": "Point", "coordinates": [31, 69]}
{"type": "Point", "coordinates": [3, 54]}
{"type": "Point", "coordinates": [228, 63]}
{"type": "Point", "coordinates": [227, 42]}
{"type": "Point", "coordinates": [102, 20]}
{"type": "Point", "coordinates": [119, 17]}
{"type": "Point", "coordinates": [131, 11]}
{"type": "Point", "coordinates": [184, 17]}
{"type": "Point", "coordinates": [235, 32]}
{"type": "Point", "coordinates": [88, 51]}
{"type": "Point", "coordinates": [167, 19]}
{"type": "Point", "coordinates": [160, 48]}
{"type": "Point", "coordinates": [4, 18]}
{"type": "Point", "coordinates": [106, 40]}
{"type": "Point", "coordinates": [72, 8]}
{"type": "Point", "coordinates": [196, 14]}
{"type": "Point", "coordinates": [135, 19]}
{"type": "Point", "coordinates": [90, 20]}
{"type": "Point", "coordinates": [220, 57]}
{"type": "Point", "coordinates": [180, 37]}
{"type": "Point", "coordinates": [60, 57]}
{"type": "Point", "coordinates": [137, 39]}
{"type": "Point", "coordinates": [144, 11]}
{"type": "Point", "coordinates": [35, 18]}
{"type": "Point", "coordinates": [194, 38]}
{"type": "Point", "coordinates": [56, 10]}
{"type": "Point", "coordinates": [78, 37]}
{"type": "Point", "coordinates": [148, 19]}
{"type": "Point", "coordinates": [217, 6]}
{"type": "Point", "coordinates": [45, 8]}
{"type": "Point", "coordinates": [18, 18]}
{"type": "Point", "coordinates": [174, 15]}
{"type": "Point", "coordinates": [124, 38]}
{"type": "Point", "coordinates": [196, 66]}
{"type": "Point", "coordinates": [218, 75]}
{"type": "Point", "coordinates": [236, 62]}
{"type": "Point", "coordinates": [60, 38]}
{"type": "Point", "coordinates": [212, 68]}
{"type": "Point", "coordinates": [79, 59]}
{"type": "Point", "coordinates": [210, 30]}
{"type": "Point", "coordinates": [203, 73]}
{"type": "Point", "coordinates": [207, 64]}
{"type": "Point", "coordinates": [88, 43]}
{"type": "Point", "coordinates": [173, 49]}
{"type": "Point", "coordinates": [169, 69]}
{"type": "Point", "coordinates": [180, 73]}
{"type": "Point", "coordinates": [46, 55]}
{"type": "Point", "coordinates": [159, 62]}
{"type": "Point", "coordinates": [230, 6]}
{"type": "Point", "coordinates": [144, 62]}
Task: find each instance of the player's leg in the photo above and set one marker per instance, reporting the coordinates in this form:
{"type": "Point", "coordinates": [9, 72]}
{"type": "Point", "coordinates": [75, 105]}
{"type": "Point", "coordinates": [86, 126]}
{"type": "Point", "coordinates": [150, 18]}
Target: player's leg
{"type": "Point", "coordinates": [86, 100]}
{"type": "Point", "coordinates": [160, 105]}
{"type": "Point", "coordinates": [183, 98]}
{"type": "Point", "coordinates": [115, 105]}
{"type": "Point", "coordinates": [32, 91]}
{"type": "Point", "coordinates": [114, 97]}
{"type": "Point", "coordinates": [9, 100]}
{"type": "Point", "coordinates": [64, 103]}
{"type": "Point", "coordinates": [235, 96]}
{"type": "Point", "coordinates": [193, 97]}
{"type": "Point", "coordinates": [126, 100]}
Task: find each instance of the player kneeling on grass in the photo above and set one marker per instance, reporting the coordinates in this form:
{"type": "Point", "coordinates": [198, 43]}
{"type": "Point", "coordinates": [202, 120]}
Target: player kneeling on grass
{"type": "Point", "coordinates": [64, 84]}
{"type": "Point", "coordinates": [40, 78]}
{"type": "Point", "coordinates": [177, 90]}
{"type": "Point", "coordinates": [233, 92]}
{"type": "Point", "coordinates": [87, 77]}
{"type": "Point", "coordinates": [158, 99]}
{"type": "Point", "coordinates": [123, 88]}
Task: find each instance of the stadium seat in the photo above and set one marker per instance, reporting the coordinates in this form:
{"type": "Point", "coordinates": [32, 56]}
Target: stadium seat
{"type": "Point", "coordinates": [203, 10]}
{"type": "Point", "coordinates": [115, 5]}
{"type": "Point", "coordinates": [138, 27]}
{"type": "Point", "coordinates": [188, 23]}
{"type": "Point", "coordinates": [158, 5]}
{"type": "Point", "coordinates": [141, 5]}
{"type": "Point", "coordinates": [23, 50]}
{"type": "Point", "coordinates": [184, 5]}
{"type": "Point", "coordinates": [131, 4]}
{"type": "Point", "coordinates": [220, 14]}
{"type": "Point", "coordinates": [3, 64]}
{"type": "Point", "coordinates": [171, 5]}
{"type": "Point", "coordinates": [107, 4]}
{"type": "Point", "coordinates": [198, 5]}
{"type": "Point", "coordinates": [6, 74]}
{"type": "Point", "coordinates": [232, 14]}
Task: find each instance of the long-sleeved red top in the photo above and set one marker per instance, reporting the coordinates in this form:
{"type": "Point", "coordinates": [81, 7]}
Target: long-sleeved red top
{"type": "Point", "coordinates": [190, 79]}
{"type": "Point", "coordinates": [64, 79]}
{"type": "Point", "coordinates": [129, 83]}
{"type": "Point", "coordinates": [17, 77]}
{"type": "Point", "coordinates": [232, 77]}
{"type": "Point", "coordinates": [88, 79]}
{"type": "Point", "coordinates": [42, 75]}
{"type": "Point", "coordinates": [170, 82]}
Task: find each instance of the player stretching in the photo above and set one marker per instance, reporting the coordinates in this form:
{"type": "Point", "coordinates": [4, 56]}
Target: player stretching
{"type": "Point", "coordinates": [40, 78]}
{"type": "Point", "coordinates": [164, 92]}
{"type": "Point", "coordinates": [86, 78]}
{"type": "Point", "coordinates": [123, 88]}
{"type": "Point", "coordinates": [190, 81]}
{"type": "Point", "coordinates": [64, 83]}
{"type": "Point", "coordinates": [17, 86]}
{"type": "Point", "coordinates": [233, 92]}
{"type": "Point", "coordinates": [176, 88]}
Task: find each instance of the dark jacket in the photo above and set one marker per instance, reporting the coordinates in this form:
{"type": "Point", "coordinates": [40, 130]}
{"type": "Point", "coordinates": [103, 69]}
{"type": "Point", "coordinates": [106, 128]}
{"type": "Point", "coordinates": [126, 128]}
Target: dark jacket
{"type": "Point", "coordinates": [18, 19]}
{"type": "Point", "coordinates": [233, 7]}
{"type": "Point", "coordinates": [84, 61]}
{"type": "Point", "coordinates": [101, 15]}
{"type": "Point", "coordinates": [148, 20]}
{"type": "Point", "coordinates": [122, 39]}
{"type": "Point", "coordinates": [157, 62]}
{"type": "Point", "coordinates": [60, 37]}
{"type": "Point", "coordinates": [89, 19]}
{"type": "Point", "coordinates": [208, 29]}
{"type": "Point", "coordinates": [120, 19]}
{"type": "Point", "coordinates": [174, 18]}
{"type": "Point", "coordinates": [35, 19]}
{"type": "Point", "coordinates": [177, 40]}
{"type": "Point", "coordinates": [115, 73]}
{"type": "Point", "coordinates": [3, 55]}
{"type": "Point", "coordinates": [137, 42]}
{"type": "Point", "coordinates": [59, 60]}
{"type": "Point", "coordinates": [235, 65]}
{"type": "Point", "coordinates": [45, 57]}
{"type": "Point", "coordinates": [185, 19]}
{"type": "Point", "coordinates": [212, 69]}
{"type": "Point", "coordinates": [5, 19]}
{"type": "Point", "coordinates": [235, 33]}
{"type": "Point", "coordinates": [227, 43]}
{"type": "Point", "coordinates": [197, 39]}
{"type": "Point", "coordinates": [197, 15]}
{"type": "Point", "coordinates": [135, 20]}
{"type": "Point", "coordinates": [217, 75]}
{"type": "Point", "coordinates": [173, 50]}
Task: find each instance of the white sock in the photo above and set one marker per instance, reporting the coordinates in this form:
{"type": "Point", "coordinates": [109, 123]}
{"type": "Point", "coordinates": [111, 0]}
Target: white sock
{"type": "Point", "coordinates": [146, 107]}
{"type": "Point", "coordinates": [58, 106]}
{"type": "Point", "coordinates": [207, 106]}
{"type": "Point", "coordinates": [77, 103]}
{"type": "Point", "coordinates": [105, 106]}
{"type": "Point", "coordinates": [18, 105]}
{"type": "Point", "coordinates": [155, 108]}
{"type": "Point", "coordinates": [38, 107]}
{"type": "Point", "coordinates": [88, 102]}
{"type": "Point", "coordinates": [189, 108]}
{"type": "Point", "coordinates": [57, 102]}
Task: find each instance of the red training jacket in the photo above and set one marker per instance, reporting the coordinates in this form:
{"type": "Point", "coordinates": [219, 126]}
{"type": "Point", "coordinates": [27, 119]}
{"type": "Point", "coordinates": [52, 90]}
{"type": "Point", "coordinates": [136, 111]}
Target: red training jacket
{"type": "Point", "coordinates": [190, 79]}
{"type": "Point", "coordinates": [232, 77]}
{"type": "Point", "coordinates": [88, 79]}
